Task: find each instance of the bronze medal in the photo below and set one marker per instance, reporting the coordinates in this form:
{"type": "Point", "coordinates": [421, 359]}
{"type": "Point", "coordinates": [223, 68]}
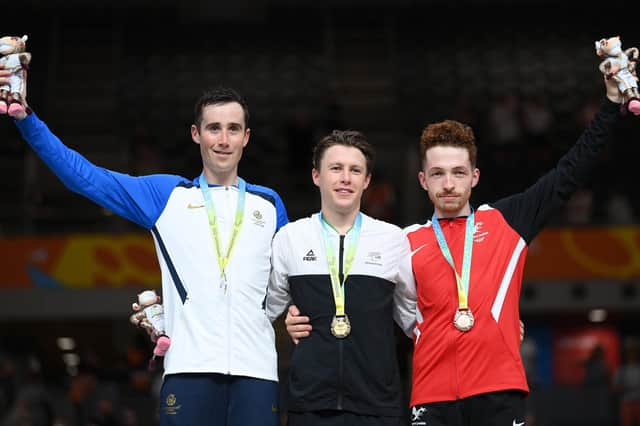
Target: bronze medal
{"type": "Point", "coordinates": [463, 320]}
{"type": "Point", "coordinates": [340, 326]}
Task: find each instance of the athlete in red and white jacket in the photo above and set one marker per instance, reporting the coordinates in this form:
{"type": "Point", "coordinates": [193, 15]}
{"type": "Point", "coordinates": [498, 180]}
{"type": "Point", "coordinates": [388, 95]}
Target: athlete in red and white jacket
{"type": "Point", "coordinates": [471, 372]}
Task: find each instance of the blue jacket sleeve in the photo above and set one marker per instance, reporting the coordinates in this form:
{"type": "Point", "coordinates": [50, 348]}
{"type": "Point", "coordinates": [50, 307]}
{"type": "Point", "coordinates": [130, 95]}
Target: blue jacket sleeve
{"type": "Point", "coordinates": [138, 199]}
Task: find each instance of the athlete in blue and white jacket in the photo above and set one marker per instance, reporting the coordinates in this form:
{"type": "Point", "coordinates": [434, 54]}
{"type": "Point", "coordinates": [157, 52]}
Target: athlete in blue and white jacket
{"type": "Point", "coordinates": [221, 366]}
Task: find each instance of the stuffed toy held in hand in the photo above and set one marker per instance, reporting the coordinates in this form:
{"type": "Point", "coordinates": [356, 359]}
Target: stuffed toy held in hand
{"type": "Point", "coordinates": [16, 60]}
{"type": "Point", "coordinates": [149, 315]}
{"type": "Point", "coordinates": [620, 65]}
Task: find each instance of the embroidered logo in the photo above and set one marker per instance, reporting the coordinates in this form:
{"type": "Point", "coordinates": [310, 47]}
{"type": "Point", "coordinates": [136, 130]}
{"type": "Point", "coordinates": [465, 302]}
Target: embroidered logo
{"type": "Point", "coordinates": [478, 234]}
{"type": "Point", "coordinates": [171, 400]}
{"type": "Point", "coordinates": [171, 408]}
{"type": "Point", "coordinates": [373, 258]}
{"type": "Point", "coordinates": [517, 424]}
{"type": "Point", "coordinates": [257, 218]}
{"type": "Point", "coordinates": [274, 409]}
{"type": "Point", "coordinates": [416, 416]}
{"type": "Point", "coordinates": [310, 256]}
{"type": "Point", "coordinates": [195, 206]}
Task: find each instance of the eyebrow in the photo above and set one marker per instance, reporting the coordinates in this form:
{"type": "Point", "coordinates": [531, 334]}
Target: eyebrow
{"type": "Point", "coordinates": [219, 124]}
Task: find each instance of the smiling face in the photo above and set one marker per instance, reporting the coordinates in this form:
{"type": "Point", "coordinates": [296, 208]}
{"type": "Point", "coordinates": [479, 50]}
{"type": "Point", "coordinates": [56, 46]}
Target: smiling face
{"type": "Point", "coordinates": [222, 136]}
{"type": "Point", "coordinates": [448, 178]}
{"type": "Point", "coordinates": [342, 177]}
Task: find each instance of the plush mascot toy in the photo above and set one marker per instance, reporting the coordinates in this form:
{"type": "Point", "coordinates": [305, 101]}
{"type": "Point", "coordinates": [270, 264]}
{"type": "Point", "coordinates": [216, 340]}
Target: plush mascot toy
{"type": "Point", "coordinates": [620, 65]}
{"type": "Point", "coordinates": [149, 315]}
{"type": "Point", "coordinates": [16, 60]}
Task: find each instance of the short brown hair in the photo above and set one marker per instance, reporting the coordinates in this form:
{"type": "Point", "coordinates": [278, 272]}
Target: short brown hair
{"type": "Point", "coordinates": [219, 96]}
{"type": "Point", "coordinates": [351, 138]}
{"type": "Point", "coordinates": [449, 133]}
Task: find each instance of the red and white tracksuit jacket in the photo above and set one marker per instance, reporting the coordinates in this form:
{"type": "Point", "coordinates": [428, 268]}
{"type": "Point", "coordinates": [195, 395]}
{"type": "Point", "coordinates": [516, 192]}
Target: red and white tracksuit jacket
{"type": "Point", "coordinates": [449, 364]}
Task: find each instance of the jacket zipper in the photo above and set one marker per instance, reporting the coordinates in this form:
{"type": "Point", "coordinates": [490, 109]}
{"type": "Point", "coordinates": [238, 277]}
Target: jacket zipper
{"type": "Point", "coordinates": [340, 341]}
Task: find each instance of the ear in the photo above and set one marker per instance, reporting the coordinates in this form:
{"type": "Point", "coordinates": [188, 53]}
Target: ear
{"type": "Point", "coordinates": [367, 181]}
{"type": "Point", "coordinates": [476, 177]}
{"type": "Point", "coordinates": [247, 133]}
{"type": "Point", "coordinates": [422, 178]}
{"type": "Point", "coordinates": [195, 134]}
{"type": "Point", "coordinates": [315, 176]}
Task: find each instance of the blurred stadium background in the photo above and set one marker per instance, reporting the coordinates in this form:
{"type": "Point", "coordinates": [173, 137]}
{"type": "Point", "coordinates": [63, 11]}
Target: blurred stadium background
{"type": "Point", "coordinates": [117, 81]}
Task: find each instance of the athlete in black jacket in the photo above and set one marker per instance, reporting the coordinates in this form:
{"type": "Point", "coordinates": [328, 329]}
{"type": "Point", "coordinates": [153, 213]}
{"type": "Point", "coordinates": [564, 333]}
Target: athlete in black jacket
{"type": "Point", "coordinates": [351, 274]}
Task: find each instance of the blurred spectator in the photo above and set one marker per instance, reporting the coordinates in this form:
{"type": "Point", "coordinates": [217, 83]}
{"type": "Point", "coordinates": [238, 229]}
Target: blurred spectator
{"type": "Point", "coordinates": [504, 120]}
{"type": "Point", "coordinates": [596, 372]}
{"type": "Point", "coordinates": [300, 134]}
{"type": "Point", "coordinates": [32, 408]}
{"type": "Point", "coordinates": [82, 386]}
{"type": "Point", "coordinates": [32, 405]}
{"type": "Point", "coordinates": [579, 209]}
{"type": "Point", "coordinates": [332, 118]}
{"type": "Point", "coordinates": [8, 383]}
{"type": "Point", "coordinates": [537, 119]}
{"type": "Point", "coordinates": [146, 156]}
{"type": "Point", "coordinates": [627, 384]}
{"type": "Point", "coordinates": [380, 200]}
{"type": "Point", "coordinates": [503, 145]}
{"type": "Point", "coordinates": [619, 210]}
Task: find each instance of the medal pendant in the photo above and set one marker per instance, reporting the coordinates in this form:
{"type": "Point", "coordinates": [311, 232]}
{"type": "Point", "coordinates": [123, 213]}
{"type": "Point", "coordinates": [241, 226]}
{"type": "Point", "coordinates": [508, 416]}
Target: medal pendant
{"type": "Point", "coordinates": [340, 326]}
{"type": "Point", "coordinates": [223, 282]}
{"type": "Point", "coordinates": [463, 320]}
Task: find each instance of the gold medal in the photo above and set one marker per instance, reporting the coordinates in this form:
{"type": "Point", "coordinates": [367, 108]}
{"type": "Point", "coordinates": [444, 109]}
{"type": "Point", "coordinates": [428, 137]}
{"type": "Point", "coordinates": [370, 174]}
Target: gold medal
{"type": "Point", "coordinates": [463, 320]}
{"type": "Point", "coordinates": [340, 326]}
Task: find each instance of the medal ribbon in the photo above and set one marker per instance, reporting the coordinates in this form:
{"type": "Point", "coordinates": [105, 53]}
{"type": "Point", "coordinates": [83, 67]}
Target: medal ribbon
{"type": "Point", "coordinates": [462, 282]}
{"type": "Point", "coordinates": [223, 259]}
{"type": "Point", "coordinates": [352, 237]}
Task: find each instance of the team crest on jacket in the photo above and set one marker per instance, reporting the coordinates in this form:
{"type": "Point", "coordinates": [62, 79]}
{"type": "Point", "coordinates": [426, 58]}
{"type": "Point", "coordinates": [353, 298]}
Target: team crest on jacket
{"type": "Point", "coordinates": [373, 258]}
{"type": "Point", "coordinates": [257, 218]}
{"type": "Point", "coordinates": [478, 233]}
{"type": "Point", "coordinates": [310, 256]}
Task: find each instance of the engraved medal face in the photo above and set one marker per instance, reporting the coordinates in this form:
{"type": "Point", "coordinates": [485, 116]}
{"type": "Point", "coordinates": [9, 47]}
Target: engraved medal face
{"type": "Point", "coordinates": [463, 320]}
{"type": "Point", "coordinates": [340, 327]}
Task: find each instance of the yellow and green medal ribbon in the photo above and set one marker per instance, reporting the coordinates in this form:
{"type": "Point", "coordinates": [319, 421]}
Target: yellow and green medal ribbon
{"type": "Point", "coordinates": [223, 258]}
{"type": "Point", "coordinates": [351, 242]}
{"type": "Point", "coordinates": [461, 281]}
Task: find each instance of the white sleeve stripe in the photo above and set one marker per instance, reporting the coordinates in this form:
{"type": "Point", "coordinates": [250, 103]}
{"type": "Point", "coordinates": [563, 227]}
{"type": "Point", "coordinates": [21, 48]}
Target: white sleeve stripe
{"type": "Point", "coordinates": [419, 318]}
{"type": "Point", "coordinates": [506, 280]}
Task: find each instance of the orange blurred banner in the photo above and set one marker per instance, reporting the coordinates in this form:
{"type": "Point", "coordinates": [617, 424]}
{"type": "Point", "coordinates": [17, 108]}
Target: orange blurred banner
{"type": "Point", "coordinates": [611, 253]}
{"type": "Point", "coordinates": [79, 261]}
{"type": "Point", "coordinates": [129, 260]}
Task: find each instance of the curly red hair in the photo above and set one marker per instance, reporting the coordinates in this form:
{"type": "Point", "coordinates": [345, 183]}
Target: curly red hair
{"type": "Point", "coordinates": [449, 133]}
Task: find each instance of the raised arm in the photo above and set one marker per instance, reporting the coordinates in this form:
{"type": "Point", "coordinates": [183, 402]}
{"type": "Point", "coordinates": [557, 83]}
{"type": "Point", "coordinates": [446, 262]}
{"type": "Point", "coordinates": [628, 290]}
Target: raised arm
{"type": "Point", "coordinates": [139, 199]}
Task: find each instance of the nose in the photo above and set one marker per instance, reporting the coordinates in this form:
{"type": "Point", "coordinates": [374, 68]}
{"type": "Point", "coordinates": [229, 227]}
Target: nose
{"type": "Point", "coordinates": [448, 182]}
{"type": "Point", "coordinates": [224, 137]}
{"type": "Point", "coordinates": [345, 176]}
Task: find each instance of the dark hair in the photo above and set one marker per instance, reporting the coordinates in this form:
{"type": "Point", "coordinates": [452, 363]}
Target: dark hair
{"type": "Point", "coordinates": [449, 133]}
{"type": "Point", "coordinates": [219, 95]}
{"type": "Point", "coordinates": [351, 138]}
